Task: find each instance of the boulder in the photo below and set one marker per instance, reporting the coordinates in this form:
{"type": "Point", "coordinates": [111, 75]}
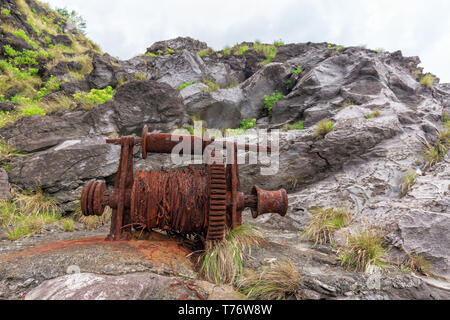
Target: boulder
{"type": "Point", "coordinates": [177, 44]}
{"type": "Point", "coordinates": [138, 286]}
{"type": "Point", "coordinates": [105, 72]}
{"type": "Point", "coordinates": [139, 103]}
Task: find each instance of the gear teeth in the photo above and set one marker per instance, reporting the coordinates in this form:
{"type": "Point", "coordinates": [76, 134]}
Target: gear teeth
{"type": "Point", "coordinates": [217, 203]}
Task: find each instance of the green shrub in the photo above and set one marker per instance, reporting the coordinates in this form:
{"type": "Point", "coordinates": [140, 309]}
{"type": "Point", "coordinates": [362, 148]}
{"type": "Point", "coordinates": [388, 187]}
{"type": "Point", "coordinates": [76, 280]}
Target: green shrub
{"type": "Point", "coordinates": [298, 70]}
{"type": "Point", "coordinates": [6, 12]}
{"type": "Point", "coordinates": [10, 52]}
{"type": "Point", "coordinates": [94, 97]}
{"type": "Point", "coordinates": [248, 124]}
{"type": "Point", "coordinates": [270, 100]}
{"type": "Point", "coordinates": [323, 128]}
{"type": "Point", "coordinates": [427, 80]}
{"type": "Point", "coordinates": [76, 19]}
{"type": "Point", "coordinates": [227, 51]}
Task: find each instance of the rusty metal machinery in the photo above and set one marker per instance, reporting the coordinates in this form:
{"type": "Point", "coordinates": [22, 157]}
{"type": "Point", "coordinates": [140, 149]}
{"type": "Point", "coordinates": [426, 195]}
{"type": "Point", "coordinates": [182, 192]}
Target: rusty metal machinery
{"type": "Point", "coordinates": [204, 201]}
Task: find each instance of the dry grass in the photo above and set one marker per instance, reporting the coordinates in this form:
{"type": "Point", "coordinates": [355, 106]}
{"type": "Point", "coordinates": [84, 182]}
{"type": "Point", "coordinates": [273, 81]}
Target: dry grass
{"type": "Point", "coordinates": [418, 264]}
{"type": "Point", "coordinates": [363, 250]}
{"type": "Point", "coordinates": [273, 282]}
{"type": "Point", "coordinates": [27, 214]}
{"type": "Point", "coordinates": [408, 181]}
{"type": "Point", "coordinates": [222, 262]}
{"type": "Point", "coordinates": [93, 222]}
{"type": "Point", "coordinates": [324, 222]}
{"type": "Point", "coordinates": [323, 128]}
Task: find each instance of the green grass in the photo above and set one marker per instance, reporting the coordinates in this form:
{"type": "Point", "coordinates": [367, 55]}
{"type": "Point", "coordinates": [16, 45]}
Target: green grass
{"type": "Point", "coordinates": [324, 222]}
{"type": "Point", "coordinates": [186, 84]}
{"type": "Point", "coordinates": [248, 124]}
{"type": "Point", "coordinates": [418, 263]}
{"type": "Point", "coordinates": [206, 53]}
{"type": "Point", "coordinates": [270, 51]}
{"type": "Point", "coordinates": [21, 34]}
{"type": "Point", "coordinates": [238, 50]}
{"type": "Point", "coordinates": [323, 128]}
{"type": "Point", "coordinates": [363, 250]}
{"type": "Point", "coordinates": [427, 80]}
{"type": "Point", "coordinates": [212, 86]}
{"type": "Point", "coordinates": [27, 214]}
{"type": "Point", "coordinates": [297, 126]}
{"type": "Point", "coordinates": [138, 76]}
{"type": "Point", "coordinates": [433, 153]}
{"type": "Point", "coordinates": [272, 282]}
{"type": "Point", "coordinates": [269, 101]}
{"type": "Point", "coordinates": [222, 262]}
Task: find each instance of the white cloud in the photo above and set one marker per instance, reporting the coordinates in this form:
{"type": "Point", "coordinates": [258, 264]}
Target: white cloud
{"type": "Point", "coordinates": [417, 27]}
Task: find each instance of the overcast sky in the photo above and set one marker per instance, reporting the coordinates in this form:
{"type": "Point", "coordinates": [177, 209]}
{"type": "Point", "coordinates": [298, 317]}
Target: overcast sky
{"type": "Point", "coordinates": [125, 28]}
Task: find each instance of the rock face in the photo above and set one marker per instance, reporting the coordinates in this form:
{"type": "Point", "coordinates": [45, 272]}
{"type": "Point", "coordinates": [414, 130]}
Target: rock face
{"type": "Point", "coordinates": [5, 189]}
{"type": "Point", "coordinates": [382, 117]}
{"type": "Point", "coordinates": [67, 148]}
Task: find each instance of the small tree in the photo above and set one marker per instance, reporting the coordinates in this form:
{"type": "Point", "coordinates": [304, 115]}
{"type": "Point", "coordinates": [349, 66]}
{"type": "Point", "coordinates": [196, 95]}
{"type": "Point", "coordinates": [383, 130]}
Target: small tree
{"type": "Point", "coordinates": [77, 20]}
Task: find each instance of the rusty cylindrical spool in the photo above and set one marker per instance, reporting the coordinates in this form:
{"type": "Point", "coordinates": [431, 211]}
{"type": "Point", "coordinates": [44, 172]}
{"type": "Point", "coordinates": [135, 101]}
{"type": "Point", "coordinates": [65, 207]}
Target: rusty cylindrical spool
{"type": "Point", "coordinates": [92, 203]}
{"type": "Point", "coordinates": [270, 202]}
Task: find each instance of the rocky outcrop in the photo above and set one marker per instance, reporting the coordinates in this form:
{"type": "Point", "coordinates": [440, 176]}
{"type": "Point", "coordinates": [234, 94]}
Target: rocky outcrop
{"type": "Point", "coordinates": [178, 44]}
{"type": "Point", "coordinates": [67, 148]}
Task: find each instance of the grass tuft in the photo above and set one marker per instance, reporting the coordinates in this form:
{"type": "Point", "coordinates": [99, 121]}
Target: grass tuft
{"type": "Point", "coordinates": [298, 126]}
{"type": "Point", "coordinates": [222, 262]}
{"type": "Point", "coordinates": [363, 250]}
{"type": "Point", "coordinates": [427, 80]}
{"type": "Point", "coordinates": [408, 181]}
{"type": "Point", "coordinates": [272, 282]}
{"type": "Point", "coordinates": [323, 128]}
{"type": "Point", "coordinates": [324, 222]}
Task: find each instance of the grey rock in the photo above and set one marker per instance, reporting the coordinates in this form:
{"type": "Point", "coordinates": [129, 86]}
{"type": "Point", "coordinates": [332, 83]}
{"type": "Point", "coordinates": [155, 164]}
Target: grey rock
{"type": "Point", "coordinates": [180, 43]}
{"type": "Point", "coordinates": [5, 189]}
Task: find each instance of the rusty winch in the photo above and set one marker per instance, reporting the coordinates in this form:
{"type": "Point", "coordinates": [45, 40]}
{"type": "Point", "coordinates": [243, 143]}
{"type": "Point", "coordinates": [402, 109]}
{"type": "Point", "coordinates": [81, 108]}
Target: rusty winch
{"type": "Point", "coordinates": [204, 201]}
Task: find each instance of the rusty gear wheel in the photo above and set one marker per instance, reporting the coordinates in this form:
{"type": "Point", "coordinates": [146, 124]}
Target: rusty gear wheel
{"type": "Point", "coordinates": [217, 203]}
{"type": "Point", "coordinates": [92, 203]}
